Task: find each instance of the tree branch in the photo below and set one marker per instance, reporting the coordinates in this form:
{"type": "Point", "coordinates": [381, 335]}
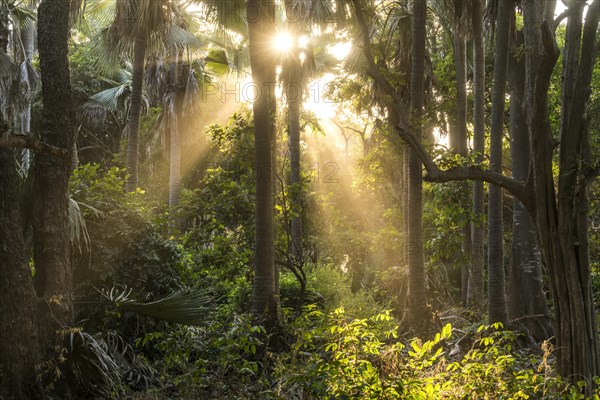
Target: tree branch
{"type": "Point", "coordinates": [565, 14]}
{"type": "Point", "coordinates": [433, 172]}
{"type": "Point", "coordinates": [28, 142]}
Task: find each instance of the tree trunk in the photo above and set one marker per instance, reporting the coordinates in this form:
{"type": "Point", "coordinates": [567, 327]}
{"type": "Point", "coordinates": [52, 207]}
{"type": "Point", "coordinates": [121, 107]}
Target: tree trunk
{"type": "Point", "coordinates": [497, 311]}
{"type": "Point", "coordinates": [50, 211]}
{"type": "Point", "coordinates": [475, 286]}
{"type": "Point", "coordinates": [459, 142]}
{"type": "Point", "coordinates": [404, 200]}
{"type": "Point", "coordinates": [135, 110]}
{"type": "Point", "coordinates": [296, 200]}
{"type": "Point", "coordinates": [416, 269]}
{"type": "Point", "coordinates": [19, 347]}
{"type": "Point", "coordinates": [260, 29]}
{"type": "Point", "coordinates": [175, 141]}
{"type": "Point", "coordinates": [526, 298]}
{"type": "Point", "coordinates": [562, 235]}
{"type": "Point", "coordinates": [294, 100]}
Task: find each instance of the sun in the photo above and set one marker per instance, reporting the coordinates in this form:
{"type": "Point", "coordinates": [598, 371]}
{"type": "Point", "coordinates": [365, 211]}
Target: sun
{"type": "Point", "coordinates": [283, 42]}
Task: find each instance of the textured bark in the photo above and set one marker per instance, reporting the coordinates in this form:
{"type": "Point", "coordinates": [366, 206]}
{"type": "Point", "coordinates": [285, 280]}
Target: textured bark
{"type": "Point", "coordinates": [417, 313]}
{"type": "Point", "coordinates": [19, 347]}
{"type": "Point", "coordinates": [564, 251]}
{"type": "Point", "coordinates": [260, 29]}
{"type": "Point", "coordinates": [526, 299]}
{"type": "Point", "coordinates": [135, 110]}
{"type": "Point", "coordinates": [50, 218]}
{"type": "Point", "coordinates": [497, 311]}
{"type": "Point", "coordinates": [561, 234]}
{"type": "Point", "coordinates": [475, 286]}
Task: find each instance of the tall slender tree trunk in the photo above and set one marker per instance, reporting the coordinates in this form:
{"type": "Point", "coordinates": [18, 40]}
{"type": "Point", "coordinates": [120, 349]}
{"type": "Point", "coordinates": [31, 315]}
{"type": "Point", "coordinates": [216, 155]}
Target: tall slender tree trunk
{"type": "Point", "coordinates": [459, 142]}
{"type": "Point", "coordinates": [294, 132]}
{"type": "Point", "coordinates": [497, 311]}
{"type": "Point", "coordinates": [475, 286]}
{"type": "Point", "coordinates": [526, 298]}
{"type": "Point", "coordinates": [260, 30]}
{"type": "Point", "coordinates": [135, 110]}
{"type": "Point", "coordinates": [50, 215]}
{"type": "Point", "coordinates": [416, 267]}
{"type": "Point", "coordinates": [175, 77]}
{"type": "Point", "coordinates": [404, 201]}
{"type": "Point", "coordinates": [294, 100]}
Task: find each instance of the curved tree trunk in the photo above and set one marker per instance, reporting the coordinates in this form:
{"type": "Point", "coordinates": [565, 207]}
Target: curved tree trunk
{"type": "Point", "coordinates": [416, 269]}
{"type": "Point", "coordinates": [561, 218]}
{"type": "Point", "coordinates": [497, 311]}
{"type": "Point", "coordinates": [260, 29]}
{"type": "Point", "coordinates": [135, 110]}
{"type": "Point", "coordinates": [475, 287]}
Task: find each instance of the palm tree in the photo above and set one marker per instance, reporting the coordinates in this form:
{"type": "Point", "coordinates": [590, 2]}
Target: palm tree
{"type": "Point", "coordinates": [455, 15]}
{"type": "Point", "coordinates": [294, 76]}
{"type": "Point", "coordinates": [115, 100]}
{"type": "Point", "coordinates": [497, 311]}
{"type": "Point", "coordinates": [179, 90]}
{"type": "Point", "coordinates": [261, 31]}
{"type": "Point", "coordinates": [416, 267]}
{"type": "Point", "coordinates": [142, 26]}
{"type": "Point", "coordinates": [298, 65]}
{"type": "Point", "coordinates": [135, 22]}
{"type": "Point", "coordinates": [50, 210]}
{"type": "Point", "coordinates": [475, 279]}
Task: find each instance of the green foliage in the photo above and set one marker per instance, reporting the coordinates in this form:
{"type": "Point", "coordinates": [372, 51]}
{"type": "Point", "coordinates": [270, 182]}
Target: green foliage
{"type": "Point", "coordinates": [350, 358]}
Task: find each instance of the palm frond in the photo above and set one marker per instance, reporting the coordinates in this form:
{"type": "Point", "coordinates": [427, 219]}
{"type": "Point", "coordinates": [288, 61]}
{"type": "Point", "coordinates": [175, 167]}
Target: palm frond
{"type": "Point", "coordinates": [218, 62]}
{"type": "Point", "coordinates": [192, 90]}
{"type": "Point", "coordinates": [28, 80]}
{"type": "Point", "coordinates": [7, 66]}
{"type": "Point", "coordinates": [78, 229]}
{"type": "Point", "coordinates": [181, 307]}
{"type": "Point", "coordinates": [102, 362]}
{"type": "Point", "coordinates": [227, 15]}
{"type": "Point", "coordinates": [110, 98]}
{"type": "Point", "coordinates": [181, 38]}
{"type": "Point", "coordinates": [155, 78]}
{"type": "Point", "coordinates": [23, 16]}
{"type": "Point", "coordinates": [92, 113]}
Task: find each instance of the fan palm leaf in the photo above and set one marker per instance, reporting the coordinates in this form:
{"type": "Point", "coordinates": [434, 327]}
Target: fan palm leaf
{"type": "Point", "coordinates": [184, 307]}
